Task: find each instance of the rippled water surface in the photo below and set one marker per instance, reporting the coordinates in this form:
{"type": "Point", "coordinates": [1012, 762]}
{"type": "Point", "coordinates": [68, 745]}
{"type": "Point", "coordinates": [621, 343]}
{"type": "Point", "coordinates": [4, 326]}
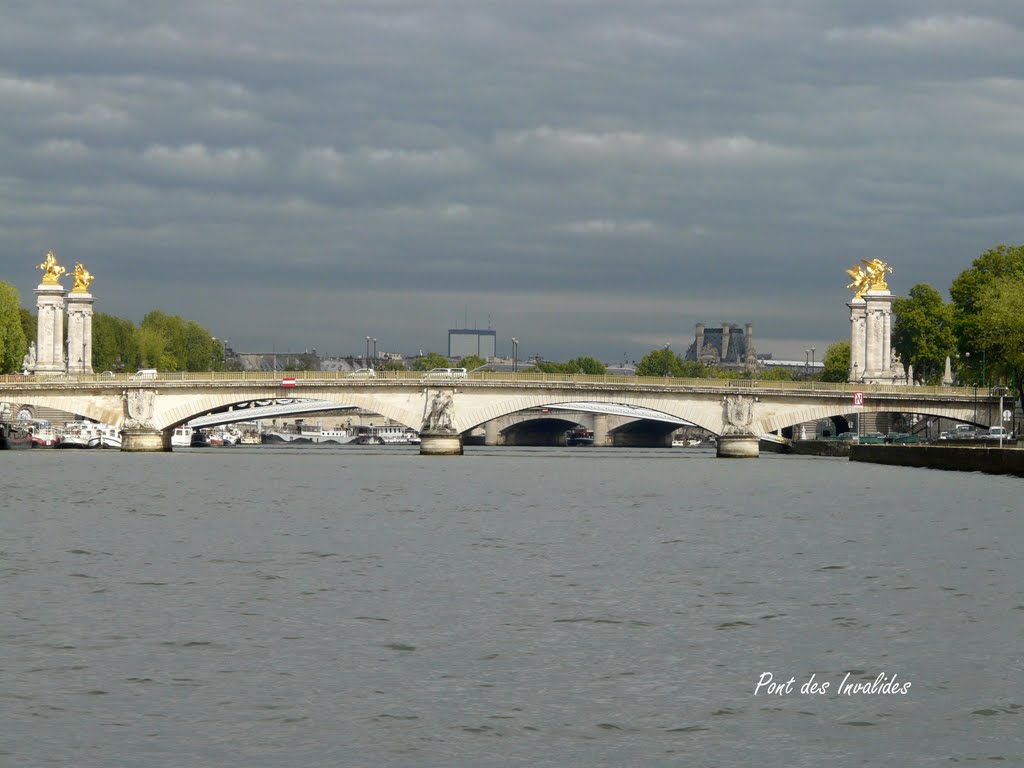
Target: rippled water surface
{"type": "Point", "coordinates": [269, 606]}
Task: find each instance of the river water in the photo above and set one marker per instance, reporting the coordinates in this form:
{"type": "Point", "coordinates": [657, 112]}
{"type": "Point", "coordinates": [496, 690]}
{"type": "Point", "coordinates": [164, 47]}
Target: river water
{"type": "Point", "coordinates": [274, 606]}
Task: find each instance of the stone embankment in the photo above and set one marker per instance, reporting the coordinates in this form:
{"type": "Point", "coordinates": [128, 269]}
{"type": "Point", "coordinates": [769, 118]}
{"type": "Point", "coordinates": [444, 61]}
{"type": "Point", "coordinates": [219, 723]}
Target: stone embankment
{"type": "Point", "coordinates": [822, 447]}
{"type": "Point", "coordinates": [961, 458]}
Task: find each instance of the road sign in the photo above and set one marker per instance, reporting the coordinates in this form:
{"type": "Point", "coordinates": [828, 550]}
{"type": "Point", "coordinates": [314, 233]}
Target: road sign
{"type": "Point", "coordinates": [858, 398]}
{"type": "Point", "coordinates": [1007, 414]}
{"type": "Point", "coordinates": [287, 382]}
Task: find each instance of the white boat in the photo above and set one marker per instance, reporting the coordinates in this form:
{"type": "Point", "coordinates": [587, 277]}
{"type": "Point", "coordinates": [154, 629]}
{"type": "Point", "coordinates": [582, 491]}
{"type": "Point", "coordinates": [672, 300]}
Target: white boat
{"type": "Point", "coordinates": [250, 437]}
{"type": "Point", "coordinates": [182, 437]}
{"type": "Point", "coordinates": [105, 436]}
{"type": "Point", "coordinates": [76, 434]}
{"type": "Point", "coordinates": [391, 434]}
{"type": "Point", "coordinates": [309, 433]}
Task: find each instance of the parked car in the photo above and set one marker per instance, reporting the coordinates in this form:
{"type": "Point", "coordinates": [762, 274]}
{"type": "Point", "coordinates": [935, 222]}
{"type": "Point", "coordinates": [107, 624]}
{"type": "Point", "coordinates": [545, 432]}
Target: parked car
{"type": "Point", "coordinates": [997, 433]}
{"type": "Point", "coordinates": [851, 436]}
{"type": "Point", "coordinates": [446, 373]}
{"type": "Point", "coordinates": [363, 373]}
{"type": "Point", "coordinates": [872, 437]}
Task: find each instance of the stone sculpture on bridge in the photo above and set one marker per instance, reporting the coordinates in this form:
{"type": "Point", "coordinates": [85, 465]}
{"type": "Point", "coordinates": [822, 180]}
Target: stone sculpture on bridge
{"type": "Point", "coordinates": [28, 363]}
{"type": "Point", "coordinates": [139, 408]}
{"type": "Point", "coordinates": [738, 416]}
{"type": "Point", "coordinates": [439, 419]}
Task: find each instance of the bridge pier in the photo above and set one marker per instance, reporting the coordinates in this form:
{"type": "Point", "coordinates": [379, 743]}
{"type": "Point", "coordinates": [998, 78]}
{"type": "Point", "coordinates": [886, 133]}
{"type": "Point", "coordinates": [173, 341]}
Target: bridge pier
{"type": "Point", "coordinates": [440, 444]}
{"type": "Point", "coordinates": [738, 447]}
{"type": "Point", "coordinates": [601, 437]}
{"type": "Point", "coordinates": [492, 435]}
{"type": "Point", "coordinates": [145, 439]}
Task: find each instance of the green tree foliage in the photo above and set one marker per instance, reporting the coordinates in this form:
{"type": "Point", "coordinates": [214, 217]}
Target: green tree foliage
{"type": "Point", "coordinates": [837, 362]}
{"type": "Point", "coordinates": [661, 362]}
{"type": "Point", "coordinates": [589, 365]}
{"type": "Point", "coordinates": [774, 374]}
{"type": "Point", "coordinates": [693, 369]}
{"type": "Point", "coordinates": [1001, 331]}
{"type": "Point", "coordinates": [428, 361]}
{"type": "Point", "coordinates": [923, 332]}
{"type": "Point", "coordinates": [29, 324]}
{"type": "Point", "coordinates": [471, 362]}
{"type": "Point", "coordinates": [393, 365]}
{"type": "Point", "coordinates": [115, 346]}
{"type": "Point", "coordinates": [972, 291]}
{"type": "Point", "coordinates": [13, 345]}
{"type": "Point", "coordinates": [170, 343]}
{"type": "Point", "coordinates": [153, 349]}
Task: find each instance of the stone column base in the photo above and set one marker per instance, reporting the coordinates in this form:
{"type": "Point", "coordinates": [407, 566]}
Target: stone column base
{"type": "Point", "coordinates": [738, 447]}
{"type": "Point", "coordinates": [440, 444]}
{"type": "Point", "coordinates": [143, 439]}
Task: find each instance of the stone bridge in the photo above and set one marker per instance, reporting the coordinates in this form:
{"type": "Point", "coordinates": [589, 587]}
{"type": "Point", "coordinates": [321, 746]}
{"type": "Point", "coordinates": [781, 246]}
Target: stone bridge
{"type": "Point", "coordinates": [147, 411]}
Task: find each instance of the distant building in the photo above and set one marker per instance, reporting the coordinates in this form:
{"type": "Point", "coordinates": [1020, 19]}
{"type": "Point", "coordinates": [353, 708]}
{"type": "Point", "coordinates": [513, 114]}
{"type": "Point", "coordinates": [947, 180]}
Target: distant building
{"type": "Point", "coordinates": [465, 341]}
{"type": "Point", "coordinates": [726, 346]}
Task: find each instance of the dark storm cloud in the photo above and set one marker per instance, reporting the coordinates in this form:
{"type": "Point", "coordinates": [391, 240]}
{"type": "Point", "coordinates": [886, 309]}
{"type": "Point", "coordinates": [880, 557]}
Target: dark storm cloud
{"type": "Point", "coordinates": [592, 177]}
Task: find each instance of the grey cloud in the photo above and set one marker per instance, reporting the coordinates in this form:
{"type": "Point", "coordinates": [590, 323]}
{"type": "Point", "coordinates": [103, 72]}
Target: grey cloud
{"type": "Point", "coordinates": [594, 175]}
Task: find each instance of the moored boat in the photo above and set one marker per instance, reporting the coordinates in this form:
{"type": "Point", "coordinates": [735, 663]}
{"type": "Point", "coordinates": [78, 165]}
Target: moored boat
{"type": "Point", "coordinates": [301, 432]}
{"type": "Point", "coordinates": [43, 435]}
{"type": "Point", "coordinates": [15, 436]}
{"type": "Point", "coordinates": [105, 436]}
{"type": "Point", "coordinates": [76, 434]}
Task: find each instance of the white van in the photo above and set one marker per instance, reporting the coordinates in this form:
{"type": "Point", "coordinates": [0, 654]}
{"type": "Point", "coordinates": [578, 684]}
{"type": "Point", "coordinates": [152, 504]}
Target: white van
{"type": "Point", "coordinates": [447, 373]}
{"type": "Point", "coordinates": [144, 374]}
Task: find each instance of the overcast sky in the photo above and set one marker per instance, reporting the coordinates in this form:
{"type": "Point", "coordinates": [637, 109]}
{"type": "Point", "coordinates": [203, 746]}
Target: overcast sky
{"type": "Point", "coordinates": [592, 177]}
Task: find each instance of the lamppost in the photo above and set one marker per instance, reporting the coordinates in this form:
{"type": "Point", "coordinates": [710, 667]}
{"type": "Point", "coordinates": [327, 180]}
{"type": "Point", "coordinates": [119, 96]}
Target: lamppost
{"type": "Point", "coordinates": [812, 360]}
{"type": "Point", "coordinates": [374, 354]}
{"type": "Point", "coordinates": [1002, 392]}
{"type": "Point", "coordinates": [366, 359]}
{"type": "Point", "coordinates": [665, 360]}
{"type": "Point", "coordinates": [807, 358]}
{"type": "Point", "coordinates": [515, 354]}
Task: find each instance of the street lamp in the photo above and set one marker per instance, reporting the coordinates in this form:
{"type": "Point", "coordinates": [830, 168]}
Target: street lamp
{"type": "Point", "coordinates": [366, 359]}
{"type": "Point", "coordinates": [374, 354]}
{"type": "Point", "coordinates": [812, 360]}
{"type": "Point", "coordinates": [515, 355]}
{"type": "Point", "coordinates": [807, 359]}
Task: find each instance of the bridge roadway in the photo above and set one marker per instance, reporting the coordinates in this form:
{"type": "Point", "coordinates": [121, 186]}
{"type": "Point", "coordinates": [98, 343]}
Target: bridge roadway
{"type": "Point", "coordinates": [148, 410]}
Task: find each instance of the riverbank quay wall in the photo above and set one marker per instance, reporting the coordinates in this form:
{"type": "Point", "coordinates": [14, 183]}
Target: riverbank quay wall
{"type": "Point", "coordinates": [992, 460]}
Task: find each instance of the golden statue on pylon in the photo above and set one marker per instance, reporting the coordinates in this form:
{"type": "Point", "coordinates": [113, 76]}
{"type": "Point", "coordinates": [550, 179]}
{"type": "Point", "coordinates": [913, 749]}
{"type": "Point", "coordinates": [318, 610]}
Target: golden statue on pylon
{"type": "Point", "coordinates": [871, 277]}
{"type": "Point", "coordinates": [876, 269]}
{"type": "Point", "coordinates": [51, 270]}
{"type": "Point", "coordinates": [82, 279]}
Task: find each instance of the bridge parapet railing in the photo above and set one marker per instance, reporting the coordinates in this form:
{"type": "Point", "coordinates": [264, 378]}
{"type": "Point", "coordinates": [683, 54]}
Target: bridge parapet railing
{"type": "Point", "coordinates": [625, 382]}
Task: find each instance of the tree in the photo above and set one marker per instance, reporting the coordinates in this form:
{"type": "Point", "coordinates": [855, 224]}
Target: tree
{"type": "Point", "coordinates": [775, 373]}
{"type": "Point", "coordinates": [923, 332]}
{"type": "Point", "coordinates": [1001, 331]}
{"type": "Point", "coordinates": [29, 324]}
{"type": "Point", "coordinates": [660, 362]}
{"type": "Point", "coordinates": [12, 336]}
{"type": "Point", "coordinates": [115, 346]}
{"type": "Point", "coordinates": [471, 362]}
{"type": "Point", "coordinates": [589, 365]}
{"type": "Point", "coordinates": [837, 362]}
{"type": "Point", "coordinates": [973, 288]}
{"type": "Point", "coordinates": [428, 361]}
